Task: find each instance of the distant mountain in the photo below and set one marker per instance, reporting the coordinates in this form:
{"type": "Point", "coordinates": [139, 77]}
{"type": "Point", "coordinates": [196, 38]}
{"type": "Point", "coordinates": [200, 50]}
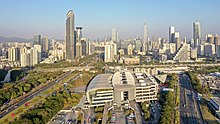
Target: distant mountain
{"type": "Point", "coordinates": [13, 39]}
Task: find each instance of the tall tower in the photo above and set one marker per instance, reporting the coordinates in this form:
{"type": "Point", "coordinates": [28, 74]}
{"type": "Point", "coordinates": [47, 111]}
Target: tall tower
{"type": "Point", "coordinates": [79, 33]}
{"type": "Point", "coordinates": [171, 34]}
{"type": "Point", "coordinates": [37, 39]}
{"type": "Point", "coordinates": [177, 40]}
{"type": "Point", "coordinates": [145, 43]}
{"type": "Point", "coordinates": [196, 33]}
{"type": "Point", "coordinates": [70, 41]}
{"type": "Point", "coordinates": [114, 35]}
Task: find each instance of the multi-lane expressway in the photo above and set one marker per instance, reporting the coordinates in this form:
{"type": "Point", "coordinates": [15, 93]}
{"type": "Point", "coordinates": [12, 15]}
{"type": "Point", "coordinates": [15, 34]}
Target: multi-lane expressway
{"type": "Point", "coordinates": [34, 94]}
{"type": "Point", "coordinates": [189, 113]}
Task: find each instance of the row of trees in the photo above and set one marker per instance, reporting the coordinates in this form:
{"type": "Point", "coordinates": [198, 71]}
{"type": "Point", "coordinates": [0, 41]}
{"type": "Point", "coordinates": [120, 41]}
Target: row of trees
{"type": "Point", "coordinates": [33, 79]}
{"type": "Point", "coordinates": [197, 84]}
{"type": "Point", "coordinates": [206, 70]}
{"type": "Point", "coordinates": [146, 110]}
{"type": "Point", "coordinates": [43, 112]}
{"type": "Point", "coordinates": [169, 103]}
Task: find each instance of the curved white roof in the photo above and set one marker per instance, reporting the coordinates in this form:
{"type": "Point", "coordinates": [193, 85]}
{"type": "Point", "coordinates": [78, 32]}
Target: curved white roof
{"type": "Point", "coordinates": [101, 81]}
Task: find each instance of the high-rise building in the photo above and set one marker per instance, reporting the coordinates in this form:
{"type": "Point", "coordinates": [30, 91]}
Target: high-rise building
{"type": "Point", "coordinates": [84, 46]}
{"type": "Point", "coordinates": [201, 49]}
{"type": "Point", "coordinates": [37, 39]}
{"type": "Point", "coordinates": [218, 51]}
{"type": "Point", "coordinates": [193, 53]}
{"type": "Point", "coordinates": [209, 49]}
{"type": "Point", "coordinates": [13, 54]}
{"type": "Point", "coordinates": [110, 51]}
{"type": "Point", "coordinates": [114, 35]}
{"type": "Point", "coordinates": [172, 48]}
{"type": "Point", "coordinates": [78, 50]}
{"type": "Point", "coordinates": [177, 40]}
{"type": "Point", "coordinates": [171, 34]}
{"type": "Point", "coordinates": [79, 33]}
{"type": "Point", "coordinates": [145, 41]}
{"type": "Point", "coordinates": [209, 38]}
{"type": "Point", "coordinates": [70, 41]}
{"type": "Point", "coordinates": [130, 49]}
{"type": "Point", "coordinates": [197, 33]}
{"type": "Point", "coordinates": [45, 44]}
{"type": "Point", "coordinates": [183, 54]}
{"type": "Point", "coordinates": [36, 54]}
{"type": "Point", "coordinates": [216, 41]}
{"type": "Point", "coordinates": [30, 56]}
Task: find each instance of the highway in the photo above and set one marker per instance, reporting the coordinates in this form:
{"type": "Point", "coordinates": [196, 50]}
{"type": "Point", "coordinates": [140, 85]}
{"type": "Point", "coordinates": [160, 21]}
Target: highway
{"type": "Point", "coordinates": [27, 98]}
{"type": "Point", "coordinates": [189, 113]}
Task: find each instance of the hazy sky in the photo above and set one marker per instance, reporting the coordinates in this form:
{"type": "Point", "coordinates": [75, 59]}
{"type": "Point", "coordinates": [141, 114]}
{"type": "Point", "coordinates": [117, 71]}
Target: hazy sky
{"type": "Point", "coordinates": [24, 18]}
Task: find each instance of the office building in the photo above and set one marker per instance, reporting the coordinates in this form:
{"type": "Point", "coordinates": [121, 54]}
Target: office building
{"type": "Point", "coordinates": [120, 88]}
{"type": "Point", "coordinates": [193, 53]}
{"type": "Point", "coordinates": [197, 33]}
{"type": "Point", "coordinates": [37, 39]}
{"type": "Point", "coordinates": [209, 38]}
{"type": "Point", "coordinates": [218, 51]}
{"type": "Point", "coordinates": [79, 33]}
{"type": "Point", "coordinates": [172, 48]}
{"type": "Point", "coordinates": [114, 35]}
{"type": "Point", "coordinates": [200, 49]}
{"type": "Point", "coordinates": [145, 47]}
{"type": "Point", "coordinates": [177, 40]}
{"type": "Point", "coordinates": [209, 49]}
{"type": "Point", "coordinates": [45, 44]}
{"type": "Point", "coordinates": [70, 42]}
{"type": "Point", "coordinates": [183, 54]}
{"type": "Point", "coordinates": [216, 41]}
{"type": "Point", "coordinates": [78, 50]}
{"type": "Point", "coordinates": [130, 49]}
{"type": "Point", "coordinates": [131, 61]}
{"type": "Point", "coordinates": [171, 34]}
{"type": "Point", "coordinates": [84, 46]}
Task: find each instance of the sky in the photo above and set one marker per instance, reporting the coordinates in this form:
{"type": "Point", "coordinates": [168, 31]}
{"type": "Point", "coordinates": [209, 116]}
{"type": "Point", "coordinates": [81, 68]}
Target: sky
{"type": "Point", "coordinates": [25, 18]}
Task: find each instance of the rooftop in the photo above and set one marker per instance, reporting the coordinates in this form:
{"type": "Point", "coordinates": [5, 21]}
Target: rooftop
{"type": "Point", "coordinates": [142, 79]}
{"type": "Point", "coordinates": [101, 81]}
{"type": "Point", "coordinates": [123, 78]}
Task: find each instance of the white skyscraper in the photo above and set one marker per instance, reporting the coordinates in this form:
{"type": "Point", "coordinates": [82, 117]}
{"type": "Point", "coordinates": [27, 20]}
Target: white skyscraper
{"type": "Point", "coordinates": [114, 35]}
{"type": "Point", "coordinates": [145, 43]}
{"type": "Point", "coordinates": [171, 34]}
{"type": "Point", "coordinates": [36, 54]}
{"type": "Point", "coordinates": [197, 33]}
{"type": "Point", "coordinates": [110, 51]}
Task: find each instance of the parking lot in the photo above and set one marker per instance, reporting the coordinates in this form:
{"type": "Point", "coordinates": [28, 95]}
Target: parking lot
{"type": "Point", "coordinates": [64, 118]}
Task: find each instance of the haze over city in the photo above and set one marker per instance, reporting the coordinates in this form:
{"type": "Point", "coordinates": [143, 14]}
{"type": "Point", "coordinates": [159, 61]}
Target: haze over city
{"type": "Point", "coordinates": [26, 18]}
{"type": "Point", "coordinates": [109, 62]}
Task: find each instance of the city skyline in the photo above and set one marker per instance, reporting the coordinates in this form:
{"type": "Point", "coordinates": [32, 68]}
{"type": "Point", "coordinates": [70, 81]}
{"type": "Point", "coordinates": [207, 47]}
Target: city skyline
{"type": "Point", "coordinates": [128, 18]}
